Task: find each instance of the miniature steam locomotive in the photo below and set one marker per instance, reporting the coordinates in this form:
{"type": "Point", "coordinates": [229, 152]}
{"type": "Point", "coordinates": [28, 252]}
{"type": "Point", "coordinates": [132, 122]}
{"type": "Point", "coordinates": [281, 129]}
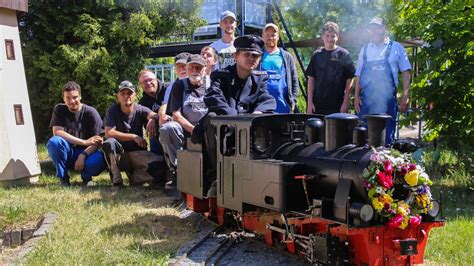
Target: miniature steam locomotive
{"type": "Point", "coordinates": [296, 180]}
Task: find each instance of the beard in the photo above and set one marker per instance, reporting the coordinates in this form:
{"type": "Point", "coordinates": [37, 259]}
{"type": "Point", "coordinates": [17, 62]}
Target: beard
{"type": "Point", "coordinates": [195, 78]}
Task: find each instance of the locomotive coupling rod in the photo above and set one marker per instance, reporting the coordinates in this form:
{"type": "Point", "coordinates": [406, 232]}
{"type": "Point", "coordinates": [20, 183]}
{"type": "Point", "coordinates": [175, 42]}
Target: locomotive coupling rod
{"type": "Point", "coordinates": [283, 231]}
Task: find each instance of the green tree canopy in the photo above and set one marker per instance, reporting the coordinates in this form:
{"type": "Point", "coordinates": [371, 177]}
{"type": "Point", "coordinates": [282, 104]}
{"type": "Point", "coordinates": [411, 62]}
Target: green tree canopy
{"type": "Point", "coordinates": [95, 43]}
{"type": "Point", "coordinates": [444, 85]}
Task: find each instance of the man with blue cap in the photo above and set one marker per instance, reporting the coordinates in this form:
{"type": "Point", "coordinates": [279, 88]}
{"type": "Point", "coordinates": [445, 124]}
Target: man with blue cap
{"type": "Point", "coordinates": [237, 89]}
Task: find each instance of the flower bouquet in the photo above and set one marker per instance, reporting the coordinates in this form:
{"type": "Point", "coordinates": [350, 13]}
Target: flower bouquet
{"type": "Point", "coordinates": [398, 189]}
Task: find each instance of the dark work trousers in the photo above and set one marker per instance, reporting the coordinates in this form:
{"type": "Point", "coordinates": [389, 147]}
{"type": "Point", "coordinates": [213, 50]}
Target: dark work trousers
{"type": "Point", "coordinates": [210, 141]}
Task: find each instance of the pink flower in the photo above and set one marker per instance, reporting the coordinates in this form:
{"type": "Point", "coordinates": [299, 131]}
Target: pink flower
{"type": "Point", "coordinates": [395, 222]}
{"type": "Point", "coordinates": [411, 167]}
{"type": "Point", "coordinates": [375, 157]}
{"type": "Point", "coordinates": [388, 168]}
{"type": "Point", "coordinates": [384, 180]}
{"type": "Point", "coordinates": [403, 171]}
{"type": "Point", "coordinates": [367, 184]}
{"type": "Point", "coordinates": [415, 220]}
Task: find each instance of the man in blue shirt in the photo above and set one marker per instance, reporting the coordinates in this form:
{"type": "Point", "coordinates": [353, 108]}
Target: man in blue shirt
{"type": "Point", "coordinates": [281, 70]}
{"type": "Point", "coordinates": [379, 62]}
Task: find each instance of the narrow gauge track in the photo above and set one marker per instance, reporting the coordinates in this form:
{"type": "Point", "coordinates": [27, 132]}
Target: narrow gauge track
{"type": "Point", "coordinates": [223, 246]}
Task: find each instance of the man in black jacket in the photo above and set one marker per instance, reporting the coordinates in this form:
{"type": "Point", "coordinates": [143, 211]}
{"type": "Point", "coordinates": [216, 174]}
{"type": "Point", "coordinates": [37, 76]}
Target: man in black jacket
{"type": "Point", "coordinates": [237, 89]}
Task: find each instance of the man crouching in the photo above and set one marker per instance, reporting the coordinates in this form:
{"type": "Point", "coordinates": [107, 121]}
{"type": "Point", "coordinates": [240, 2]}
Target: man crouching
{"type": "Point", "coordinates": [125, 148]}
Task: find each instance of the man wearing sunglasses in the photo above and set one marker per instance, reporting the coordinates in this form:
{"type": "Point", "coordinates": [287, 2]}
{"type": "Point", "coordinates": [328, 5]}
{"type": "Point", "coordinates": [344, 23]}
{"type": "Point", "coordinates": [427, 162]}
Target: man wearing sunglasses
{"type": "Point", "coordinates": [237, 89]}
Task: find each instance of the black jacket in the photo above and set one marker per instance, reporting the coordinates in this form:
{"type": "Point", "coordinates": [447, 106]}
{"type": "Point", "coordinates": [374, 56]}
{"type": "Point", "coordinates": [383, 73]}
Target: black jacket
{"type": "Point", "coordinates": [223, 97]}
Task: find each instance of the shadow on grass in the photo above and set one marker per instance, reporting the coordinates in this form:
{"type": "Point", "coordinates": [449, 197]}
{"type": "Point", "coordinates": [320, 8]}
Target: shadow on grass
{"type": "Point", "coordinates": [146, 196]}
{"type": "Point", "coordinates": [157, 233]}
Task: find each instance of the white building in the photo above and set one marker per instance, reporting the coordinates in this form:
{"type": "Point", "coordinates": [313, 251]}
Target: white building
{"type": "Point", "coordinates": [18, 155]}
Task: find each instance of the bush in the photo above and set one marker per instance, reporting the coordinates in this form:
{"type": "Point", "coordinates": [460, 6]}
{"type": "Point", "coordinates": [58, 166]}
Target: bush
{"type": "Point", "coordinates": [444, 163]}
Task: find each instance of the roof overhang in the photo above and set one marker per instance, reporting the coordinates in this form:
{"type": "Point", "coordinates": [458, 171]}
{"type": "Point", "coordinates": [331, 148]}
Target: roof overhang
{"type": "Point", "coordinates": [17, 5]}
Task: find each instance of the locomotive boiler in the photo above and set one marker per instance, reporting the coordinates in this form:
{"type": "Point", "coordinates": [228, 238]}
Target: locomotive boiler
{"type": "Point", "coordinates": [297, 180]}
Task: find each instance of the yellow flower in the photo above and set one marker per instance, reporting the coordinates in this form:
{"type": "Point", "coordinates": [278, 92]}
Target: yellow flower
{"type": "Point", "coordinates": [385, 198]}
{"type": "Point", "coordinates": [423, 200]}
{"type": "Point", "coordinates": [378, 206]}
{"type": "Point", "coordinates": [404, 224]}
{"type": "Point", "coordinates": [403, 208]}
{"type": "Point", "coordinates": [412, 177]}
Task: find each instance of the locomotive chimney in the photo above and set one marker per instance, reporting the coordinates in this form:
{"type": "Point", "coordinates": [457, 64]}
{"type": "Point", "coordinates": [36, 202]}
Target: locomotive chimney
{"type": "Point", "coordinates": [314, 131]}
{"type": "Point", "coordinates": [359, 136]}
{"type": "Point", "coordinates": [339, 128]}
{"type": "Point", "coordinates": [376, 129]}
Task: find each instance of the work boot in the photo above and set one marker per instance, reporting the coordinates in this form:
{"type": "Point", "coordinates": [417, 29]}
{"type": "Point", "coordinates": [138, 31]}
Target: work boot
{"type": "Point", "coordinates": [65, 182]}
{"type": "Point", "coordinates": [114, 170]}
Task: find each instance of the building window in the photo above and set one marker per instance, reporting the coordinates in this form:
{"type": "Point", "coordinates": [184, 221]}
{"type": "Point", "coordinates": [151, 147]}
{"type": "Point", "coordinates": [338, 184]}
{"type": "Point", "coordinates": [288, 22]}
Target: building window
{"type": "Point", "coordinates": [10, 49]}
{"type": "Point", "coordinates": [18, 114]}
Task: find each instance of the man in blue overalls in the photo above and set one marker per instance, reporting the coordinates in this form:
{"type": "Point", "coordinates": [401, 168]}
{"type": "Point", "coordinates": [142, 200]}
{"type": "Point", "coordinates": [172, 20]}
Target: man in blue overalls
{"type": "Point", "coordinates": [378, 66]}
{"type": "Point", "coordinates": [281, 71]}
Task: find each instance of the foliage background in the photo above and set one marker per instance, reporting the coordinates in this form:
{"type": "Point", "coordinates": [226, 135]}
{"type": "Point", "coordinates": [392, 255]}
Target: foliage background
{"type": "Point", "coordinates": [96, 43]}
{"type": "Point", "coordinates": [99, 43]}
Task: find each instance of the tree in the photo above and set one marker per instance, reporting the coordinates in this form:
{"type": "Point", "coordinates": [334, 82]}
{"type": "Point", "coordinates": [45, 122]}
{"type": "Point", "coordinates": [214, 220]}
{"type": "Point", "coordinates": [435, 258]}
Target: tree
{"type": "Point", "coordinates": [444, 85]}
{"type": "Point", "coordinates": [96, 43]}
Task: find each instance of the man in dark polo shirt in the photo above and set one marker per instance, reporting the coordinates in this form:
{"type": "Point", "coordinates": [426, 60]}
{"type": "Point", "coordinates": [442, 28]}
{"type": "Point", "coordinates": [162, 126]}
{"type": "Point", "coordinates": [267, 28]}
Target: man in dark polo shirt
{"type": "Point", "coordinates": [153, 95]}
{"type": "Point", "coordinates": [76, 129]}
{"type": "Point", "coordinates": [125, 147]}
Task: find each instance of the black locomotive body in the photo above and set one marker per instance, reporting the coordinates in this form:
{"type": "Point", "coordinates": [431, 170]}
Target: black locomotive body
{"type": "Point", "coordinates": [297, 179]}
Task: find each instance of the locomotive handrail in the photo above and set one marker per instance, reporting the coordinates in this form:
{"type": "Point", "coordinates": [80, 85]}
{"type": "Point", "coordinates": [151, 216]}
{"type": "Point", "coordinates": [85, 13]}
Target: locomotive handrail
{"type": "Point", "coordinates": [337, 159]}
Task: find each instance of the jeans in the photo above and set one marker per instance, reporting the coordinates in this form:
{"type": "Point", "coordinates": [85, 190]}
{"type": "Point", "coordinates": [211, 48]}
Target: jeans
{"type": "Point", "coordinates": [64, 156]}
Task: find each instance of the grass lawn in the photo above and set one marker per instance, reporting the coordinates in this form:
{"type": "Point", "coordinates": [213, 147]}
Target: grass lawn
{"type": "Point", "coordinates": [96, 225]}
{"type": "Point", "coordinates": [138, 226]}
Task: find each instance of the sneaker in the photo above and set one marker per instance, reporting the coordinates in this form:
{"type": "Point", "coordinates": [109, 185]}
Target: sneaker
{"type": "Point", "coordinates": [172, 176]}
{"type": "Point", "coordinates": [212, 192]}
{"type": "Point", "coordinates": [65, 182]}
{"type": "Point", "coordinates": [90, 184]}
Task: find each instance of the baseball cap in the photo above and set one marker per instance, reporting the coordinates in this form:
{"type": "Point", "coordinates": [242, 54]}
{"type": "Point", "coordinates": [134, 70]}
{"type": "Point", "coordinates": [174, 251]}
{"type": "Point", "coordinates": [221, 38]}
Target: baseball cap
{"type": "Point", "coordinates": [196, 59]}
{"type": "Point", "coordinates": [126, 85]}
{"type": "Point", "coordinates": [181, 58]}
{"type": "Point", "coordinates": [271, 25]}
{"type": "Point", "coordinates": [226, 14]}
{"type": "Point", "coordinates": [250, 43]}
{"type": "Point", "coordinates": [378, 21]}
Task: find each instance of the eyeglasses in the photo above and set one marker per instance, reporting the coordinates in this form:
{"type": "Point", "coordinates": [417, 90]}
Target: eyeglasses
{"type": "Point", "coordinates": [250, 54]}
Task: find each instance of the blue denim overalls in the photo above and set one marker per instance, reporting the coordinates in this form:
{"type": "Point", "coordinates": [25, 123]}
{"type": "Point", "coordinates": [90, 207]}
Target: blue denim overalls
{"type": "Point", "coordinates": [278, 87]}
{"type": "Point", "coordinates": [378, 91]}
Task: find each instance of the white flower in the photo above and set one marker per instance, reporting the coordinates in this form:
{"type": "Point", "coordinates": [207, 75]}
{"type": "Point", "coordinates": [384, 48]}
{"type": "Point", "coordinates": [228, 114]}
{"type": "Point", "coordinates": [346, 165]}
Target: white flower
{"type": "Point", "coordinates": [379, 190]}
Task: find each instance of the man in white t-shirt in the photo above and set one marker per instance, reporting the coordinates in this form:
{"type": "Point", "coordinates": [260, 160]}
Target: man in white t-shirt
{"type": "Point", "coordinates": [225, 45]}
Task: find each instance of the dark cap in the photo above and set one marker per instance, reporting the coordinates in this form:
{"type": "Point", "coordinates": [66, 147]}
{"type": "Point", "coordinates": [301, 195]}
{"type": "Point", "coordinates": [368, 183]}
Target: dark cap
{"type": "Point", "coordinates": [196, 59]}
{"type": "Point", "coordinates": [126, 85]}
{"type": "Point", "coordinates": [377, 21]}
{"type": "Point", "coordinates": [251, 43]}
{"type": "Point", "coordinates": [181, 58]}
{"type": "Point", "coordinates": [227, 14]}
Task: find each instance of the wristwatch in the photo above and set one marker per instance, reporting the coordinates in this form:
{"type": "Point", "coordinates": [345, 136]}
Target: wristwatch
{"type": "Point", "coordinates": [85, 153]}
